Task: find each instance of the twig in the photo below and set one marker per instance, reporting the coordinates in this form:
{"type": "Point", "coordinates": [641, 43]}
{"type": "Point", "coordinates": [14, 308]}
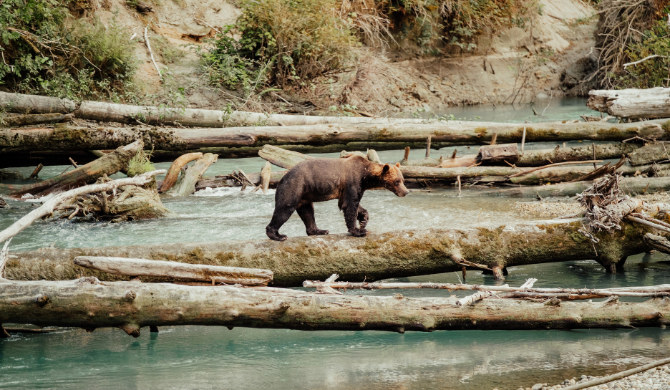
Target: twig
{"type": "Point", "coordinates": [478, 296]}
{"type": "Point", "coordinates": [73, 162]}
{"type": "Point", "coordinates": [207, 25]}
{"type": "Point", "coordinates": [648, 223]}
{"type": "Point", "coordinates": [459, 184]}
{"type": "Point", "coordinates": [151, 53]}
{"type": "Point", "coordinates": [642, 60]}
{"type": "Point", "coordinates": [554, 165]}
{"type": "Point", "coordinates": [36, 171]}
{"type": "Point", "coordinates": [523, 139]}
{"type": "Point", "coordinates": [593, 148]}
{"type": "Point", "coordinates": [428, 147]}
{"type": "Point", "coordinates": [616, 376]}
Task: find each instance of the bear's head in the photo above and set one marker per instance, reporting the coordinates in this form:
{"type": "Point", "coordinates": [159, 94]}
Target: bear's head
{"type": "Point", "coordinates": [393, 179]}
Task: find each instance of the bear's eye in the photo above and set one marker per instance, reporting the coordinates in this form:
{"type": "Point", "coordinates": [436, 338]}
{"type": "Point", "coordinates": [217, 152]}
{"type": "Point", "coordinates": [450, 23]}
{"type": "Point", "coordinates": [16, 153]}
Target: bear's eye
{"type": "Point", "coordinates": [396, 182]}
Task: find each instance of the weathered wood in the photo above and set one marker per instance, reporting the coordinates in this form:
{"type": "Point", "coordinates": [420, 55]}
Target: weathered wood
{"type": "Point", "coordinates": [498, 154]}
{"type": "Point", "coordinates": [48, 207]}
{"type": "Point", "coordinates": [377, 256]}
{"type": "Point", "coordinates": [266, 174]}
{"type": "Point", "coordinates": [187, 182]}
{"type": "Point", "coordinates": [177, 271]}
{"type": "Point", "coordinates": [229, 181]}
{"type": "Point", "coordinates": [649, 154]}
{"type": "Point", "coordinates": [657, 242]}
{"type": "Point", "coordinates": [632, 103]}
{"type": "Point", "coordinates": [105, 165]}
{"type": "Point", "coordinates": [548, 156]}
{"type": "Point", "coordinates": [66, 137]}
{"type": "Point", "coordinates": [36, 171]}
{"type": "Point", "coordinates": [33, 119]}
{"type": "Point", "coordinates": [175, 169]}
{"type": "Point", "coordinates": [131, 306]}
{"type": "Point", "coordinates": [632, 186]}
{"type": "Point", "coordinates": [618, 375]}
{"type": "Point", "coordinates": [25, 104]}
{"type": "Point", "coordinates": [281, 157]}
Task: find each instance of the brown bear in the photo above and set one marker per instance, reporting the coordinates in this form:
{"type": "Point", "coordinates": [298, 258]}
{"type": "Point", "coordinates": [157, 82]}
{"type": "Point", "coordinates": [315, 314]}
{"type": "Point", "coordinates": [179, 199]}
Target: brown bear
{"type": "Point", "coordinates": [322, 179]}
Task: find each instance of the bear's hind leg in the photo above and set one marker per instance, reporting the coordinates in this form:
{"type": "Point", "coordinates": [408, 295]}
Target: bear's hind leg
{"type": "Point", "coordinates": [306, 213]}
{"type": "Point", "coordinates": [362, 218]}
{"type": "Point", "coordinates": [279, 217]}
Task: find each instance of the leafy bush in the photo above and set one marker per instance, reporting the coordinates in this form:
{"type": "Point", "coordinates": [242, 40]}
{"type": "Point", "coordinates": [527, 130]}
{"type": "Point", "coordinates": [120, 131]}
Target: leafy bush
{"type": "Point", "coordinates": [300, 38]}
{"type": "Point", "coordinates": [653, 72]}
{"type": "Point", "coordinates": [140, 164]}
{"type": "Point", "coordinates": [44, 51]}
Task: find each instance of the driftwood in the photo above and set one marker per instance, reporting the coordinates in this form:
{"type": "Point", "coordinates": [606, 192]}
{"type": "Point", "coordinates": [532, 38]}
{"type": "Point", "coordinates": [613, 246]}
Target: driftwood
{"type": "Point", "coordinates": [48, 207]}
{"type": "Point", "coordinates": [187, 181]}
{"type": "Point", "coordinates": [266, 175]}
{"type": "Point", "coordinates": [89, 304]}
{"type": "Point", "coordinates": [233, 180]}
{"type": "Point", "coordinates": [105, 165]}
{"type": "Point", "coordinates": [378, 256]}
{"type": "Point", "coordinates": [631, 186]}
{"type": "Point", "coordinates": [281, 157]}
{"type": "Point", "coordinates": [632, 103]}
{"type": "Point", "coordinates": [66, 137]}
{"type": "Point", "coordinates": [498, 154]}
{"type": "Point", "coordinates": [33, 119]}
{"type": "Point", "coordinates": [649, 154]}
{"type": "Point", "coordinates": [618, 375]}
{"type": "Point", "coordinates": [177, 271]}
{"type": "Point", "coordinates": [175, 169]}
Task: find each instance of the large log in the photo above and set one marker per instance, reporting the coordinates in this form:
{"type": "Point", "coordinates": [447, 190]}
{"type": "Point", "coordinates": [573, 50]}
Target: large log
{"type": "Point", "coordinates": [33, 104]}
{"type": "Point", "coordinates": [178, 271]}
{"type": "Point", "coordinates": [33, 119]}
{"type": "Point", "coordinates": [67, 137]}
{"type": "Point", "coordinates": [649, 154]}
{"type": "Point", "coordinates": [105, 165]}
{"type": "Point", "coordinates": [131, 306]}
{"type": "Point", "coordinates": [188, 180]}
{"type": "Point", "coordinates": [631, 185]}
{"type": "Point", "coordinates": [378, 256]}
{"type": "Point", "coordinates": [632, 103]}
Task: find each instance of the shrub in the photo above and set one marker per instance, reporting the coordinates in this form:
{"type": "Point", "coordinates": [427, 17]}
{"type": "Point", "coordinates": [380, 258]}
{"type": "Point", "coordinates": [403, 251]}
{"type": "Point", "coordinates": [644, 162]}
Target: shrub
{"type": "Point", "coordinates": [301, 38]}
{"type": "Point", "coordinates": [140, 164]}
{"type": "Point", "coordinates": [46, 52]}
{"type": "Point", "coordinates": [653, 72]}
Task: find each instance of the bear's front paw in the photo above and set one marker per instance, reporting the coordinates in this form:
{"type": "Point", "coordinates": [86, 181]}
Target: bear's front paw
{"type": "Point", "coordinates": [358, 232]}
{"type": "Point", "coordinates": [317, 232]}
{"type": "Point", "coordinates": [279, 237]}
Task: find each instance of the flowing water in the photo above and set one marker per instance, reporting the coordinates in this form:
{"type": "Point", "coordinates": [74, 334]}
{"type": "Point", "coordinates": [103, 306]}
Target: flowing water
{"type": "Point", "coordinates": [217, 358]}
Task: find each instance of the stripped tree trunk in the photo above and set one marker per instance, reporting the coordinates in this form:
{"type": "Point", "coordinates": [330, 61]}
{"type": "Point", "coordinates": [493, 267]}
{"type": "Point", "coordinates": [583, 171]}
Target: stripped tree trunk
{"type": "Point", "coordinates": [375, 257]}
{"type": "Point", "coordinates": [186, 184]}
{"type": "Point", "coordinates": [175, 169]}
{"type": "Point", "coordinates": [130, 306]}
{"type": "Point", "coordinates": [67, 137]}
{"type": "Point", "coordinates": [89, 173]}
{"type": "Point", "coordinates": [632, 103]}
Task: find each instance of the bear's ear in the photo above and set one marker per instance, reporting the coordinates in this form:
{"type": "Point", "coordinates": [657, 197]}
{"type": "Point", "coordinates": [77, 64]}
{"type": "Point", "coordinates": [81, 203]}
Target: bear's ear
{"type": "Point", "coordinates": [397, 165]}
{"type": "Point", "coordinates": [385, 169]}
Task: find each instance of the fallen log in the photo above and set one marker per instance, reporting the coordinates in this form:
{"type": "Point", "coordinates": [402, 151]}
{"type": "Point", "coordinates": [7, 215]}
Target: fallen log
{"type": "Point", "coordinates": [177, 271]}
{"type": "Point", "coordinates": [187, 182]}
{"type": "Point", "coordinates": [88, 304]}
{"type": "Point", "coordinates": [281, 157]}
{"type": "Point", "coordinates": [378, 256]}
{"type": "Point", "coordinates": [25, 104]}
{"type": "Point", "coordinates": [48, 207]}
{"type": "Point", "coordinates": [649, 154]}
{"type": "Point", "coordinates": [632, 103]}
{"type": "Point", "coordinates": [66, 137]}
{"type": "Point", "coordinates": [105, 165]}
{"type": "Point", "coordinates": [632, 186]}
{"type": "Point", "coordinates": [232, 181]}
{"type": "Point", "coordinates": [175, 169]}
{"type": "Point", "coordinates": [33, 119]}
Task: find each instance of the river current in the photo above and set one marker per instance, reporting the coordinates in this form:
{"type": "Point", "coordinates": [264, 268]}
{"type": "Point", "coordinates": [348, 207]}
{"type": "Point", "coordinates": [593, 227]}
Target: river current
{"type": "Point", "coordinates": [193, 357]}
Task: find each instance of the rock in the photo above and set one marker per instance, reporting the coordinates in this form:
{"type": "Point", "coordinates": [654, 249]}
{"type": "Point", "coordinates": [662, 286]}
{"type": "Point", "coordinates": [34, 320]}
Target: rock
{"type": "Point", "coordinates": [3, 204]}
{"type": "Point", "coordinates": [537, 386]}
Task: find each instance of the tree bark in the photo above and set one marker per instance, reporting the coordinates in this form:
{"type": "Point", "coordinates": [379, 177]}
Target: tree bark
{"type": "Point", "coordinates": [378, 256]}
{"type": "Point", "coordinates": [106, 165]}
{"type": "Point", "coordinates": [187, 182]}
{"type": "Point", "coordinates": [177, 271]}
{"type": "Point", "coordinates": [632, 186]}
{"type": "Point", "coordinates": [649, 154]}
{"type": "Point", "coordinates": [131, 306]}
{"type": "Point", "coordinates": [33, 119]}
{"type": "Point", "coordinates": [175, 169]}
{"type": "Point", "coordinates": [67, 137]}
{"type": "Point", "coordinates": [281, 157]}
{"type": "Point", "coordinates": [26, 104]}
{"type": "Point", "coordinates": [632, 103]}
{"type": "Point", "coordinates": [229, 181]}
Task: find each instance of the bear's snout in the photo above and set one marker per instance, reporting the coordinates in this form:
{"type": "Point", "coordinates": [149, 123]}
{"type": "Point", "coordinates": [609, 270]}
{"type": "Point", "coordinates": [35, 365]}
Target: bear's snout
{"type": "Point", "coordinates": [401, 191]}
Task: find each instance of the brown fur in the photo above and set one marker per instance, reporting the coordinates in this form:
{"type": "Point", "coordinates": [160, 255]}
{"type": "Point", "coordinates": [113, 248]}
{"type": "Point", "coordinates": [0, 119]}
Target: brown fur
{"type": "Point", "coordinates": [320, 180]}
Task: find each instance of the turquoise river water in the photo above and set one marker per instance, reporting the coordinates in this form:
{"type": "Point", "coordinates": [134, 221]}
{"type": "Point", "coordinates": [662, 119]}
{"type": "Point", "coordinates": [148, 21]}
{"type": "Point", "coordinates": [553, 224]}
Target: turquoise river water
{"type": "Point", "coordinates": [193, 357]}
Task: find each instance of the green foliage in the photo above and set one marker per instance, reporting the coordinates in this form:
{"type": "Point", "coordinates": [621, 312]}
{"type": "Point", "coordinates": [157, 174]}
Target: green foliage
{"type": "Point", "coordinates": [298, 39]}
{"type": "Point", "coordinates": [140, 164]}
{"type": "Point", "coordinates": [653, 72]}
{"type": "Point", "coordinates": [228, 68]}
{"type": "Point", "coordinates": [45, 52]}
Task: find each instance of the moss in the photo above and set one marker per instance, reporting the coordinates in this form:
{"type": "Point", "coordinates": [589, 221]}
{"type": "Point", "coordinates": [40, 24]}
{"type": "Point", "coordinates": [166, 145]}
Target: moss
{"type": "Point", "coordinates": [480, 131]}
